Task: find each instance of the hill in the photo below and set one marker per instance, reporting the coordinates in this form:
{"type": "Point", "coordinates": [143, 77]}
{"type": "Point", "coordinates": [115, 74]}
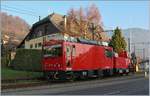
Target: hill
{"type": "Point", "coordinates": [13, 28]}
{"type": "Point", "coordinates": [138, 36]}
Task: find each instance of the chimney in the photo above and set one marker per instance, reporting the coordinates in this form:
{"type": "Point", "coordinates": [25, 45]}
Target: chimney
{"type": "Point", "coordinates": [65, 22]}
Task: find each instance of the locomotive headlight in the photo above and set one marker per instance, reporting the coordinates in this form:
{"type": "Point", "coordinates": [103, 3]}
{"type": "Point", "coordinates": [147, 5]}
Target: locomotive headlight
{"type": "Point", "coordinates": [127, 70]}
{"type": "Point", "coordinates": [120, 71]}
{"type": "Point", "coordinates": [68, 69]}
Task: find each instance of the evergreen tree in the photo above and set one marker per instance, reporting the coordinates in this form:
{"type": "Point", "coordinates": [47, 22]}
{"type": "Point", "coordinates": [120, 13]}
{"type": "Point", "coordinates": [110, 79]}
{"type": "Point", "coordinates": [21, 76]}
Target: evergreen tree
{"type": "Point", "coordinates": [118, 42]}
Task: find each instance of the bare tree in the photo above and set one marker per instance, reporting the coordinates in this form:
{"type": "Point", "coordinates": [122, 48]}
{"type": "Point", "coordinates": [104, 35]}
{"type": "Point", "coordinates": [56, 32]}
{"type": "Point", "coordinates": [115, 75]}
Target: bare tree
{"type": "Point", "coordinates": [93, 15]}
{"type": "Point", "coordinates": [81, 22]}
{"type": "Point", "coordinates": [71, 19]}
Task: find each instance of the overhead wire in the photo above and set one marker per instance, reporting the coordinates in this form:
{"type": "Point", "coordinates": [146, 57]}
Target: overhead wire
{"type": "Point", "coordinates": [26, 10]}
{"type": "Point", "coordinates": [20, 11]}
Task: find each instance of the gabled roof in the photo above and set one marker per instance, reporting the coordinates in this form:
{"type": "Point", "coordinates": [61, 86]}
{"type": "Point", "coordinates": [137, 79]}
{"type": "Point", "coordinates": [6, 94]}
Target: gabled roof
{"type": "Point", "coordinates": [46, 19]}
{"type": "Point", "coordinates": [54, 18]}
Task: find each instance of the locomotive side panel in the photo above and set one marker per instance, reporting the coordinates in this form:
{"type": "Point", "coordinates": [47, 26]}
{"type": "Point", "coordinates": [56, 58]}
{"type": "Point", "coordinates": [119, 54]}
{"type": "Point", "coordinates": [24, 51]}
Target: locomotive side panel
{"type": "Point", "coordinates": [90, 57]}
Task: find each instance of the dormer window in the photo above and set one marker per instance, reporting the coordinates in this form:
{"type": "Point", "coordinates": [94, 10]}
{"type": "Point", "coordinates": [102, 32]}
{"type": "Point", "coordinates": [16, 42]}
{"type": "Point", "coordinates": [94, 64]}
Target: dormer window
{"type": "Point", "coordinates": [39, 33]}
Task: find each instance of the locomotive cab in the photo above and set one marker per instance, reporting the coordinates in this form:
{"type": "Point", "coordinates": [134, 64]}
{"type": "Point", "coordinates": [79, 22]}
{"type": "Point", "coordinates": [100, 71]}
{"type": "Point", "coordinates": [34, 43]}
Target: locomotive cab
{"type": "Point", "coordinates": [52, 57]}
{"type": "Point", "coordinates": [57, 59]}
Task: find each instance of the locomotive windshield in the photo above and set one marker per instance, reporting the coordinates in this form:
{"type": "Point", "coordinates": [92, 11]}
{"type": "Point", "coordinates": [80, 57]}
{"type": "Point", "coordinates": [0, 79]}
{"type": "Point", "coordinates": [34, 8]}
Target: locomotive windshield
{"type": "Point", "coordinates": [52, 51]}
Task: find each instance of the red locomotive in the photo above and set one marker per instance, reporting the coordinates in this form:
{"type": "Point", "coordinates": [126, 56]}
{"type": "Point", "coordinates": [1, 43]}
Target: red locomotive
{"type": "Point", "coordinates": [67, 60]}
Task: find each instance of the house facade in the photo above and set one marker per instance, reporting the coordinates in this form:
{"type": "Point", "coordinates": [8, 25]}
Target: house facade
{"type": "Point", "coordinates": [52, 26]}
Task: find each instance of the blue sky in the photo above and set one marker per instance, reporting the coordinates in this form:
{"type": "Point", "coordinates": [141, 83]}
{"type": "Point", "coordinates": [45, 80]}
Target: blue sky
{"type": "Point", "coordinates": [125, 14]}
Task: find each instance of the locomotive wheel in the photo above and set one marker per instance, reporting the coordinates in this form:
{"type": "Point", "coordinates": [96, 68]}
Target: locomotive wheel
{"type": "Point", "coordinates": [49, 78]}
{"type": "Point", "coordinates": [70, 77]}
{"type": "Point", "coordinates": [56, 76]}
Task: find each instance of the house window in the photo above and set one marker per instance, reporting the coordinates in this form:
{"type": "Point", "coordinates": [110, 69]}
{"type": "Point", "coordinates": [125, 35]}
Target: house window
{"type": "Point", "coordinates": [35, 45]}
{"type": "Point", "coordinates": [31, 46]}
{"type": "Point", "coordinates": [33, 35]}
{"type": "Point", "coordinates": [39, 44]}
{"type": "Point", "coordinates": [39, 33]}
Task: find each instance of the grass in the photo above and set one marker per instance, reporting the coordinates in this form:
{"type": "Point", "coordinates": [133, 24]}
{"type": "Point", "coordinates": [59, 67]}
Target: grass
{"type": "Point", "coordinates": [7, 73]}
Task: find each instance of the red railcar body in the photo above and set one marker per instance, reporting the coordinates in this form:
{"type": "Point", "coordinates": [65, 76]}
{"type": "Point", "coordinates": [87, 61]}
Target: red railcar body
{"type": "Point", "coordinates": [83, 58]}
{"type": "Point", "coordinates": [121, 62]}
{"type": "Point", "coordinates": [123, 54]}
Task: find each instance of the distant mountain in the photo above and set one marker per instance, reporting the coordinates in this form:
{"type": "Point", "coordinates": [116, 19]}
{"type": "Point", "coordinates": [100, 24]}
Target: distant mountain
{"type": "Point", "coordinates": [13, 28]}
{"type": "Point", "coordinates": [137, 34]}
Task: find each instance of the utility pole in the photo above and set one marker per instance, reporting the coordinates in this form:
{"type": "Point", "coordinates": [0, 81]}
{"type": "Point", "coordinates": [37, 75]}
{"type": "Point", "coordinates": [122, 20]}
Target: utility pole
{"type": "Point", "coordinates": [143, 53]}
{"type": "Point", "coordinates": [134, 47]}
{"type": "Point", "coordinates": [130, 41]}
{"type": "Point", "coordinates": [39, 18]}
{"type": "Point", "coordinates": [129, 45]}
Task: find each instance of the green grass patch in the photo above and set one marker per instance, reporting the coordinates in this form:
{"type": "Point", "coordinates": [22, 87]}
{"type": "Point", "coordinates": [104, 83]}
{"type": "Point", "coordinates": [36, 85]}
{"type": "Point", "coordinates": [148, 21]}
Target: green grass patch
{"type": "Point", "coordinates": [7, 73]}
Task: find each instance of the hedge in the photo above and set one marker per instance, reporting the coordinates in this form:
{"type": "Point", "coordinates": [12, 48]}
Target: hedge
{"type": "Point", "coordinates": [27, 60]}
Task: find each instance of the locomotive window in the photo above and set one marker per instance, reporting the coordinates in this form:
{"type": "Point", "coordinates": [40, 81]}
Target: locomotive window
{"type": "Point", "coordinates": [68, 51]}
{"type": "Point", "coordinates": [53, 51]}
{"type": "Point", "coordinates": [73, 50]}
{"type": "Point", "coordinates": [108, 53]}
